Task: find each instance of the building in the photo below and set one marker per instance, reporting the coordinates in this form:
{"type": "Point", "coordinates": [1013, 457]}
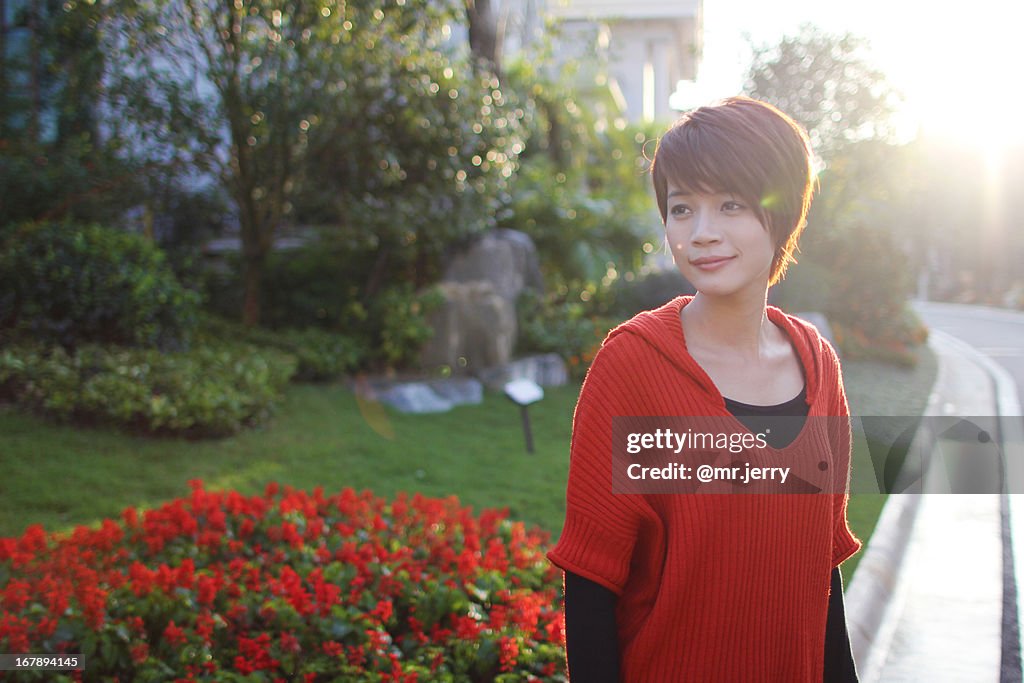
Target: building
{"type": "Point", "coordinates": [640, 49]}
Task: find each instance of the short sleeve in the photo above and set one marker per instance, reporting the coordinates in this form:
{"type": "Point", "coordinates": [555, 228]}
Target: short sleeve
{"type": "Point", "coordinates": [844, 543]}
{"type": "Point", "coordinates": [601, 527]}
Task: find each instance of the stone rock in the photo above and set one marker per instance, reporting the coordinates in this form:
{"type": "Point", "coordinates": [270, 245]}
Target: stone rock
{"type": "Point", "coordinates": [420, 395]}
{"type": "Point", "coordinates": [545, 369]}
{"type": "Point", "coordinates": [474, 328]}
{"type": "Point", "coordinates": [414, 397]}
{"type": "Point", "coordinates": [459, 390]}
{"type": "Point", "coordinates": [505, 258]}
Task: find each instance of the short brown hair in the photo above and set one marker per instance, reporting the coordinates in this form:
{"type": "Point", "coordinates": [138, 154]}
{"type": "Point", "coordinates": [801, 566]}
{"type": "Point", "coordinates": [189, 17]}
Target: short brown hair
{"type": "Point", "coordinates": [745, 146]}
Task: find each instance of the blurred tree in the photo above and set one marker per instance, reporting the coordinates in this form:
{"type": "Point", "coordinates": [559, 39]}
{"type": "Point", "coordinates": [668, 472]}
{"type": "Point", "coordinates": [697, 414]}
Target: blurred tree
{"type": "Point", "coordinates": [582, 192]}
{"type": "Point", "coordinates": [823, 82]}
{"type": "Point", "coordinates": [858, 257]}
{"type": "Point", "coordinates": [55, 162]}
{"type": "Point", "coordinates": [414, 156]}
{"type": "Point", "coordinates": [485, 34]}
{"type": "Point", "coordinates": [322, 111]}
{"type": "Point", "coordinates": [854, 265]}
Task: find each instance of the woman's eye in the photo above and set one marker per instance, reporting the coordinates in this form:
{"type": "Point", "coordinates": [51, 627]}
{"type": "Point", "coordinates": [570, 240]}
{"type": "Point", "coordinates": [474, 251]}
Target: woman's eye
{"type": "Point", "coordinates": [732, 206]}
{"type": "Point", "coordinates": [679, 210]}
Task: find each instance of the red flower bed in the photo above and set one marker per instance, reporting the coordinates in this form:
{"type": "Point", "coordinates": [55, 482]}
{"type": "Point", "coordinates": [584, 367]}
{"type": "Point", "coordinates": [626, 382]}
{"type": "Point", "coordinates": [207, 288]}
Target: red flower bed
{"type": "Point", "coordinates": [288, 587]}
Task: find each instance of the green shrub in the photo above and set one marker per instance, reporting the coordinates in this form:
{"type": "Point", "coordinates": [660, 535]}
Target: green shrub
{"type": "Point", "coordinates": [646, 290]}
{"type": "Point", "coordinates": [806, 287]}
{"type": "Point", "coordinates": [401, 315]}
{"type": "Point", "coordinates": [550, 325]}
{"type": "Point", "coordinates": [321, 355]}
{"type": "Point", "coordinates": [71, 284]}
{"type": "Point", "coordinates": [579, 234]}
{"type": "Point", "coordinates": [213, 390]}
{"type": "Point", "coordinates": [322, 286]}
{"type": "Point", "coordinates": [866, 284]}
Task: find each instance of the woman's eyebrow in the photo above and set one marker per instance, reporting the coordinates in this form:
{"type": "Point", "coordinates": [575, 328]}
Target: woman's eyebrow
{"type": "Point", "coordinates": [688, 193]}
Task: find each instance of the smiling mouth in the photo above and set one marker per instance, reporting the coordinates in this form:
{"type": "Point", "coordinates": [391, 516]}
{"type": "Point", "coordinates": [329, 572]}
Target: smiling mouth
{"type": "Point", "coordinates": [710, 261]}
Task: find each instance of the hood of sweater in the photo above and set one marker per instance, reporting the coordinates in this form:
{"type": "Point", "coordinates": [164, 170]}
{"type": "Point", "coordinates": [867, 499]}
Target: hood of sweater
{"type": "Point", "coordinates": [662, 329]}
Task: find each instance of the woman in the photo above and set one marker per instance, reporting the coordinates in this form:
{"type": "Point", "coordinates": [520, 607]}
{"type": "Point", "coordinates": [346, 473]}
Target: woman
{"type": "Point", "coordinates": [724, 587]}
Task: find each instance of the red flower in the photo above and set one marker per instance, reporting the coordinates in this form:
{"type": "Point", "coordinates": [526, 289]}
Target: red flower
{"type": "Point", "coordinates": [370, 561]}
{"type": "Point", "coordinates": [509, 653]}
{"type": "Point", "coordinates": [289, 643]}
{"type": "Point", "coordinates": [174, 635]}
{"type": "Point", "coordinates": [356, 655]}
{"type": "Point", "coordinates": [383, 610]}
{"type": "Point", "coordinates": [379, 640]}
{"type": "Point", "coordinates": [466, 628]}
{"type": "Point", "coordinates": [33, 540]}
{"type": "Point", "coordinates": [16, 595]}
{"type": "Point", "coordinates": [255, 654]}
{"type": "Point", "coordinates": [140, 652]}
{"type": "Point", "coordinates": [207, 588]}
{"type": "Point", "coordinates": [15, 630]}
{"type": "Point", "coordinates": [205, 623]}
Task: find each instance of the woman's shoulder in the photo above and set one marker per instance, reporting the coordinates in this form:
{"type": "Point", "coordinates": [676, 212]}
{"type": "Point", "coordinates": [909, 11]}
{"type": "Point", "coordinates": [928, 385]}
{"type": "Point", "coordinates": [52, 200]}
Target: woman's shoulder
{"type": "Point", "coordinates": [632, 353]}
{"type": "Point", "coordinates": [652, 324]}
{"type": "Point", "coordinates": [815, 340]}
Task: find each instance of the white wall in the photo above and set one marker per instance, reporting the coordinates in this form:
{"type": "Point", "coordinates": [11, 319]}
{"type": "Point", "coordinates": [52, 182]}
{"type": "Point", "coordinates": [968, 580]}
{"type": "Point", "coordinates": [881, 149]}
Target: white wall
{"type": "Point", "coordinates": [649, 45]}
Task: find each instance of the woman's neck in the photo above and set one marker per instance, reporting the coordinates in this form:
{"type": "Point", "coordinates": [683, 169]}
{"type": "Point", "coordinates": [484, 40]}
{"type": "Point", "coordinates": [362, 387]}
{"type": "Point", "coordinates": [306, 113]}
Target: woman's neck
{"type": "Point", "coordinates": [740, 325]}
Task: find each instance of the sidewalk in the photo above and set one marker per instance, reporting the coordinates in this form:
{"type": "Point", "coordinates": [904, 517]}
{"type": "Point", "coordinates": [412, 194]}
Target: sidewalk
{"type": "Point", "coordinates": [926, 603]}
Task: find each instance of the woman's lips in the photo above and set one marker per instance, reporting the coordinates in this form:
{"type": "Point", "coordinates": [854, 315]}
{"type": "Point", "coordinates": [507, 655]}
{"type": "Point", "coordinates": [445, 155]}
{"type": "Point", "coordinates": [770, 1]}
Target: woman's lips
{"type": "Point", "coordinates": [710, 263]}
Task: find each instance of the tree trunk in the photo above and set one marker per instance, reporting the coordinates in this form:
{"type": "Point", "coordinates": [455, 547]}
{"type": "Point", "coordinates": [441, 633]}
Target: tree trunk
{"type": "Point", "coordinates": [34, 71]}
{"type": "Point", "coordinates": [555, 135]}
{"type": "Point", "coordinates": [5, 111]}
{"type": "Point", "coordinates": [377, 274]}
{"type": "Point", "coordinates": [252, 300]}
{"type": "Point", "coordinates": [483, 33]}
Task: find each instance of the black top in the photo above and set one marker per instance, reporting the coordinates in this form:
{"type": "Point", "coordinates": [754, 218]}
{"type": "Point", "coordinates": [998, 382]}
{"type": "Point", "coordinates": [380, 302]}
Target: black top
{"type": "Point", "coordinates": [591, 635]}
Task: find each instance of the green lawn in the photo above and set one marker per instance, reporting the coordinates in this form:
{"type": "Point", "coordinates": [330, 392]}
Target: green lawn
{"type": "Point", "coordinates": [874, 389]}
{"type": "Point", "coordinates": [61, 476]}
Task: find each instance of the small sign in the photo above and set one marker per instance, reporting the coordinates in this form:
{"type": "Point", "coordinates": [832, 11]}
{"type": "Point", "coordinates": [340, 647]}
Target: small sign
{"type": "Point", "coordinates": [524, 391]}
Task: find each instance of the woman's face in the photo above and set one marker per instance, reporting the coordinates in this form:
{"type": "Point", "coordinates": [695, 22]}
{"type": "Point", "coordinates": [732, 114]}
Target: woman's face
{"type": "Point", "coordinates": [718, 242]}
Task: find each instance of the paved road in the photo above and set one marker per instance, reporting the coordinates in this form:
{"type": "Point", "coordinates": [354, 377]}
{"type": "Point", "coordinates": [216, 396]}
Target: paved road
{"type": "Point", "coordinates": [999, 335]}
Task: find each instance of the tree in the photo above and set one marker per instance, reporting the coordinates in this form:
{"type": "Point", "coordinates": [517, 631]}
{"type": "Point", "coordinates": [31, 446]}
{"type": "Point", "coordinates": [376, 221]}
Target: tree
{"type": "Point", "coordinates": [485, 36]}
{"type": "Point", "coordinates": [850, 253]}
{"type": "Point", "coordinates": [824, 83]}
{"type": "Point", "coordinates": [315, 109]}
{"type": "Point", "coordinates": [55, 161]}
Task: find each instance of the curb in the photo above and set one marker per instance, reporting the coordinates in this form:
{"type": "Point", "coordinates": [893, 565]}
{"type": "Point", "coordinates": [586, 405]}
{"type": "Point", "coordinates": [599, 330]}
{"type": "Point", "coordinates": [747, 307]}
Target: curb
{"type": "Point", "coordinates": [1011, 432]}
{"type": "Point", "coordinates": [875, 596]}
{"type": "Point", "coordinates": [877, 592]}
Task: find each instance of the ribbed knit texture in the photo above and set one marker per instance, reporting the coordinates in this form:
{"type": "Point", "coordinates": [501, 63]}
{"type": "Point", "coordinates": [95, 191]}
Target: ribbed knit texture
{"type": "Point", "coordinates": [712, 587]}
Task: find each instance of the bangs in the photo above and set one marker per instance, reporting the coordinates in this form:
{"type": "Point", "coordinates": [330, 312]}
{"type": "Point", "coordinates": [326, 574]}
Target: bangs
{"type": "Point", "coordinates": [698, 158]}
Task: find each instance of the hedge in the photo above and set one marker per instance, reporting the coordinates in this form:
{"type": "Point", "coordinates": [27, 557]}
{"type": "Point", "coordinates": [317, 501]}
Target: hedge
{"type": "Point", "coordinates": [321, 355]}
{"type": "Point", "coordinates": [71, 284]}
{"type": "Point", "coordinates": [209, 391]}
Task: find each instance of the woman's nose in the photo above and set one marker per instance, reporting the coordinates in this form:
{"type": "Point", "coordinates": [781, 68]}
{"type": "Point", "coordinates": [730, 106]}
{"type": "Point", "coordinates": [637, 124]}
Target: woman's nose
{"type": "Point", "coordinates": [705, 229]}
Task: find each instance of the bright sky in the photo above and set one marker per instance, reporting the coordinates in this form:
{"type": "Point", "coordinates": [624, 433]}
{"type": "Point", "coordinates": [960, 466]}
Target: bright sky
{"type": "Point", "coordinates": [949, 59]}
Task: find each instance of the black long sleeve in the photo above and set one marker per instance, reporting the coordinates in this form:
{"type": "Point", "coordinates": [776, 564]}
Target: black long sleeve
{"type": "Point", "coordinates": [839, 665]}
{"type": "Point", "coordinates": [591, 636]}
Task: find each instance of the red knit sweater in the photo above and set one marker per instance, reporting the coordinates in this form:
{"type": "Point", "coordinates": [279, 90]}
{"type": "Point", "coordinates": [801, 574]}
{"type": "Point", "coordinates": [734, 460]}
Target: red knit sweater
{"type": "Point", "coordinates": [712, 587]}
